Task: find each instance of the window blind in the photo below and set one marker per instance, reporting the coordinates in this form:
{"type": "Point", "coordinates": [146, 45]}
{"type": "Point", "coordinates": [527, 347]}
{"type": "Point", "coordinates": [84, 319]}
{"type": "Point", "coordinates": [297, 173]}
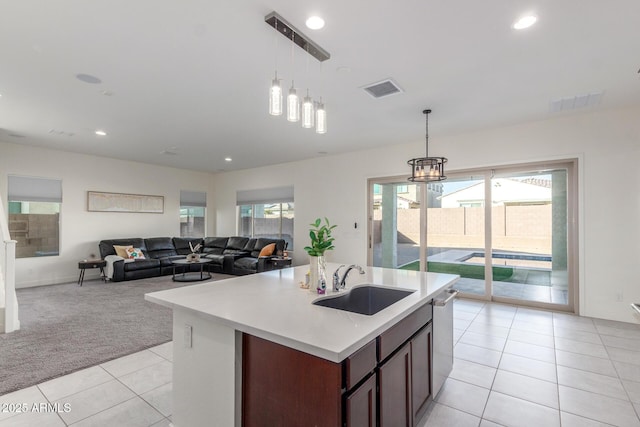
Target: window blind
{"type": "Point", "coordinates": [265, 195]}
{"type": "Point", "coordinates": [193, 198]}
{"type": "Point", "coordinates": [31, 189]}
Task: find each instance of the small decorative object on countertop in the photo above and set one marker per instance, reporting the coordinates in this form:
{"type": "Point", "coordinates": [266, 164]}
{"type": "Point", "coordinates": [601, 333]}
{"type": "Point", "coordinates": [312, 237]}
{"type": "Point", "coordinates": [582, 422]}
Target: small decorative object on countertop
{"type": "Point", "coordinates": [321, 241]}
{"type": "Point", "coordinates": [307, 280]}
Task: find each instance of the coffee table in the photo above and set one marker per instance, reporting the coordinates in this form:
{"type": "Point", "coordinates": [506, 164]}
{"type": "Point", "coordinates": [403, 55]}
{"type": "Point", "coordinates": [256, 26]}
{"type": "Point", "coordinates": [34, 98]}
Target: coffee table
{"type": "Point", "coordinates": [190, 276]}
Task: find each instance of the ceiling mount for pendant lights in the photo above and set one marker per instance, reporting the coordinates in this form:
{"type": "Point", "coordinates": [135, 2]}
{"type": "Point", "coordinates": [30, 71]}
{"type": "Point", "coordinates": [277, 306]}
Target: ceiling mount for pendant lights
{"type": "Point", "coordinates": [427, 169]}
{"type": "Point", "coordinates": [308, 45]}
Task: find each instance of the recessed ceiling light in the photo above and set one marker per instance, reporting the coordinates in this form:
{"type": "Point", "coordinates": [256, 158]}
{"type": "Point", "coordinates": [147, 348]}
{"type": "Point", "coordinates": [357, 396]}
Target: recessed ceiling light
{"type": "Point", "coordinates": [227, 159]}
{"type": "Point", "coordinates": [525, 22]}
{"type": "Point", "coordinates": [101, 133]}
{"type": "Point", "coordinates": [88, 78]}
{"type": "Point", "coordinates": [315, 23]}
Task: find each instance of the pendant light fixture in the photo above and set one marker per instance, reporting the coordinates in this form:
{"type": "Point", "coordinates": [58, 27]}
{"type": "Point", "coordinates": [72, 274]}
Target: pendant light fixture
{"type": "Point", "coordinates": [427, 169]}
{"type": "Point", "coordinates": [275, 92]}
{"type": "Point", "coordinates": [312, 113]}
{"type": "Point", "coordinates": [293, 102]}
{"type": "Point", "coordinates": [321, 118]}
{"type": "Point", "coordinates": [293, 105]}
{"type": "Point", "coordinates": [307, 112]}
{"type": "Point", "coordinates": [275, 97]}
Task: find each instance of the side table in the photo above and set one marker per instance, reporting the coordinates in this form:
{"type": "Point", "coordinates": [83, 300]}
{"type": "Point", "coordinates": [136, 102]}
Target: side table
{"type": "Point", "coordinates": [280, 263]}
{"type": "Point", "coordinates": [92, 263]}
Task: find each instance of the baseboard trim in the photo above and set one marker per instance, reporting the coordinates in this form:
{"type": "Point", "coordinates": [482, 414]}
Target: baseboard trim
{"type": "Point", "coordinates": [56, 281]}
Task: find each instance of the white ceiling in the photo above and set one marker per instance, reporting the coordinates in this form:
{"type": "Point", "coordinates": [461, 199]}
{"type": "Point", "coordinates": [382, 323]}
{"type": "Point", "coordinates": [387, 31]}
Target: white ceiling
{"type": "Point", "coordinates": [194, 74]}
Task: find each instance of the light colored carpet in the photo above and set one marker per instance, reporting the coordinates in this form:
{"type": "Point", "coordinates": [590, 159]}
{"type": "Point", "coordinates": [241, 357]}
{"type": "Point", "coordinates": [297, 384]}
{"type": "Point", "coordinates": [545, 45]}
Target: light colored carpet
{"type": "Point", "coordinates": [66, 327]}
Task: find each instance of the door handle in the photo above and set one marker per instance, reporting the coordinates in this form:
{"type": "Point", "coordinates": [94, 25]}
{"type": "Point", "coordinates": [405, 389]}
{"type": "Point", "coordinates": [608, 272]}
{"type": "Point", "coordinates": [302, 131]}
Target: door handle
{"type": "Point", "coordinates": [442, 303]}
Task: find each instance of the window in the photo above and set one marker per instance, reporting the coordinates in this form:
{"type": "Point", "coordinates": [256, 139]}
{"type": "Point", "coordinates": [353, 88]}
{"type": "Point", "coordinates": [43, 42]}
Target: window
{"type": "Point", "coordinates": [266, 213]}
{"type": "Point", "coordinates": [193, 206]}
{"type": "Point", "coordinates": [34, 215]}
{"type": "Point", "coordinates": [270, 220]}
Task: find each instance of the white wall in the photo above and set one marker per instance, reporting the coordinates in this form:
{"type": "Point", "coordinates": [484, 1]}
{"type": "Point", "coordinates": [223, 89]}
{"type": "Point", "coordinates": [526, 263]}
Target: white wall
{"type": "Point", "coordinates": [607, 144]}
{"type": "Point", "coordinates": [80, 230]}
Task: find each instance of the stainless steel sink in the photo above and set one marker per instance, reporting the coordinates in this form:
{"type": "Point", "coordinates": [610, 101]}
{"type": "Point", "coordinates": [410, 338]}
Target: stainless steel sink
{"type": "Point", "coordinates": [366, 299]}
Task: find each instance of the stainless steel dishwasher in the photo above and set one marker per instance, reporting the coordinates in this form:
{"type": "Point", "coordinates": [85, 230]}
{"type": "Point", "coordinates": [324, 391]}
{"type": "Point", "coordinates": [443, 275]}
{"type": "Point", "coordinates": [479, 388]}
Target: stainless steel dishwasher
{"type": "Point", "coordinates": [442, 338]}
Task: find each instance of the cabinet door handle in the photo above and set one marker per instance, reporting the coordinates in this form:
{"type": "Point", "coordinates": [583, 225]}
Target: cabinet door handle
{"type": "Point", "coordinates": [442, 303]}
{"type": "Point", "coordinates": [636, 307]}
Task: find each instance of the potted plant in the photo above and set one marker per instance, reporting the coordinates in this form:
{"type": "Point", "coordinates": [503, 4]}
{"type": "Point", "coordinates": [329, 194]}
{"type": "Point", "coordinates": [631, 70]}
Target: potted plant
{"type": "Point", "coordinates": [321, 241]}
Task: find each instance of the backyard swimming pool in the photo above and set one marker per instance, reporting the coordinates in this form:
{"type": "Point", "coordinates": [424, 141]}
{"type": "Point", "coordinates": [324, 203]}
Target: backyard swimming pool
{"type": "Point", "coordinates": [510, 259]}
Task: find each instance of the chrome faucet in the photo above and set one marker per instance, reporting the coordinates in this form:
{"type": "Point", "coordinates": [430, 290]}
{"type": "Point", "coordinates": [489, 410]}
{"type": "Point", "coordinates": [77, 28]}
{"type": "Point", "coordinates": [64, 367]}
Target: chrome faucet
{"type": "Point", "coordinates": [340, 283]}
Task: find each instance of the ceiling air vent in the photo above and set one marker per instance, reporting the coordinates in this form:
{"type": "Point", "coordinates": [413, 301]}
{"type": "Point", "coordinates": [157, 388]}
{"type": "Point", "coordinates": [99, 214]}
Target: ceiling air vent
{"type": "Point", "coordinates": [384, 88]}
{"type": "Point", "coordinates": [575, 102]}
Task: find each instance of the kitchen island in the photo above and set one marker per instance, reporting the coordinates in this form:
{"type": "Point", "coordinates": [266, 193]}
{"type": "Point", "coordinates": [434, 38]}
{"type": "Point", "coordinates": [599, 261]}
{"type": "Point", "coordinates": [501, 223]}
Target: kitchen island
{"type": "Point", "coordinates": [211, 320]}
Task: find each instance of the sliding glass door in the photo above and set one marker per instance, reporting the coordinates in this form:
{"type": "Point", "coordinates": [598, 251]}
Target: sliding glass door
{"type": "Point", "coordinates": [456, 231]}
{"type": "Point", "coordinates": [523, 216]}
{"type": "Point", "coordinates": [395, 210]}
{"type": "Point", "coordinates": [530, 258]}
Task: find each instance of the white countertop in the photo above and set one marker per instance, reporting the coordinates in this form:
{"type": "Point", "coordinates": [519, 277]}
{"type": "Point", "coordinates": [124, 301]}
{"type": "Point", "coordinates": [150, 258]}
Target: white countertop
{"type": "Point", "coordinates": [272, 306]}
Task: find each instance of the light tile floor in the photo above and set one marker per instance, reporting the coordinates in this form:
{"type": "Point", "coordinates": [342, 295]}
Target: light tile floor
{"type": "Point", "coordinates": [517, 366]}
{"type": "Point", "coordinates": [134, 390]}
{"type": "Point", "coordinates": [514, 366]}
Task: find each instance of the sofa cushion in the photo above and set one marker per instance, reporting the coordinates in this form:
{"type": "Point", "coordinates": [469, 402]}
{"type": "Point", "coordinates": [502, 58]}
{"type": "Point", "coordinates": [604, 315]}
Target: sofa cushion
{"type": "Point", "coordinates": [216, 259]}
{"type": "Point", "coordinates": [106, 246]}
{"type": "Point", "coordinates": [246, 263]}
{"type": "Point", "coordinates": [237, 243]}
{"type": "Point", "coordinates": [166, 261]}
{"type": "Point", "coordinates": [134, 253]}
{"type": "Point", "coordinates": [238, 246]}
{"type": "Point", "coordinates": [262, 242]}
{"type": "Point", "coordinates": [159, 247]}
{"type": "Point", "coordinates": [122, 251]}
{"type": "Point", "coordinates": [267, 250]}
{"type": "Point", "coordinates": [141, 264]}
{"type": "Point", "coordinates": [182, 244]}
{"type": "Point", "coordinates": [214, 245]}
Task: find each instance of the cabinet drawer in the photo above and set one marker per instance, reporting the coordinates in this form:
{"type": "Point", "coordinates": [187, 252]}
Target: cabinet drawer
{"type": "Point", "coordinates": [393, 338]}
{"type": "Point", "coordinates": [359, 364]}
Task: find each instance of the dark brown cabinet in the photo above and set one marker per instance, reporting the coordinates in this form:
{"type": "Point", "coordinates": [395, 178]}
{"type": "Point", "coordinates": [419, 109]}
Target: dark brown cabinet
{"type": "Point", "coordinates": [386, 383]}
{"type": "Point", "coordinates": [421, 372]}
{"type": "Point", "coordinates": [286, 387]}
{"type": "Point", "coordinates": [395, 390]}
{"type": "Point", "coordinates": [361, 405]}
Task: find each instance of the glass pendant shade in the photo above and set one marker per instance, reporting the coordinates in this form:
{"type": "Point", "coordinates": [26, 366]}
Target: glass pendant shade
{"type": "Point", "coordinates": [293, 105]}
{"type": "Point", "coordinates": [307, 112]}
{"type": "Point", "coordinates": [275, 98]}
{"type": "Point", "coordinates": [321, 118]}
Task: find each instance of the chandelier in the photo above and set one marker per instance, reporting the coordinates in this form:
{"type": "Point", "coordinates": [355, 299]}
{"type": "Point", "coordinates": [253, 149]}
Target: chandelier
{"type": "Point", "coordinates": [311, 113]}
{"type": "Point", "coordinates": [427, 169]}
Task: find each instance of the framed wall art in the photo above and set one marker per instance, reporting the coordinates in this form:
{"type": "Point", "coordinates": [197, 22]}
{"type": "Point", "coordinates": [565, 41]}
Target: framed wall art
{"type": "Point", "coordinates": [98, 201]}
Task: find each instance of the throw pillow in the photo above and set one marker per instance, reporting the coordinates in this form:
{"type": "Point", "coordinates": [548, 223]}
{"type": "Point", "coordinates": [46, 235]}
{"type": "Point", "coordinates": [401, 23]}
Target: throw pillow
{"type": "Point", "coordinates": [268, 250]}
{"type": "Point", "coordinates": [135, 253]}
{"type": "Point", "coordinates": [121, 251]}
